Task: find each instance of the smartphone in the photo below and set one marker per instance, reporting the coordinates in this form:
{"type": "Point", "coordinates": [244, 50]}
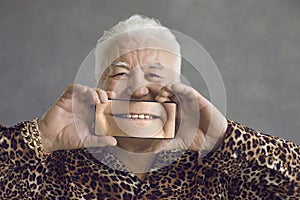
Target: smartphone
{"type": "Point", "coordinates": [136, 119]}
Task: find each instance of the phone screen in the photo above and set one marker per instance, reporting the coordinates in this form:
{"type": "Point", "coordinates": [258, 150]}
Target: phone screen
{"type": "Point", "coordinates": [136, 118]}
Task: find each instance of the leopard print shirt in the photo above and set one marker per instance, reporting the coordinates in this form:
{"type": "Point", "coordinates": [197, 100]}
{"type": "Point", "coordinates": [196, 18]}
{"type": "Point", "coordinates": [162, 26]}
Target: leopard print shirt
{"type": "Point", "coordinates": [248, 165]}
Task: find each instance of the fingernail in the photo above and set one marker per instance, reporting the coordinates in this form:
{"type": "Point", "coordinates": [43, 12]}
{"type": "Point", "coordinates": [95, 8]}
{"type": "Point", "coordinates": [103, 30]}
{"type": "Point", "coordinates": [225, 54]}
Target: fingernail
{"type": "Point", "coordinates": [96, 99]}
{"type": "Point", "coordinates": [113, 94]}
{"type": "Point", "coordinates": [157, 98]}
{"type": "Point", "coordinates": [104, 99]}
{"type": "Point", "coordinates": [161, 99]}
{"type": "Point", "coordinates": [164, 93]}
{"type": "Point", "coordinates": [113, 141]}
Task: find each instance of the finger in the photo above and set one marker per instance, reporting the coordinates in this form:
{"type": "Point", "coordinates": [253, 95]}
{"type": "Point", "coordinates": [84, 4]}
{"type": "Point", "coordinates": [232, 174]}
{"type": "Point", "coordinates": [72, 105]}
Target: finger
{"type": "Point", "coordinates": [183, 90]}
{"type": "Point", "coordinates": [188, 93]}
{"type": "Point", "coordinates": [85, 93]}
{"type": "Point", "coordinates": [102, 95]}
{"type": "Point", "coordinates": [66, 94]}
{"type": "Point", "coordinates": [165, 94]}
{"type": "Point", "coordinates": [111, 94]}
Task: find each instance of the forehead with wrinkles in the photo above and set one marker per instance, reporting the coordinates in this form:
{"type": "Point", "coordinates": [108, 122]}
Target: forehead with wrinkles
{"type": "Point", "coordinates": [147, 56]}
{"type": "Point", "coordinates": [114, 48]}
{"type": "Point", "coordinates": [128, 44]}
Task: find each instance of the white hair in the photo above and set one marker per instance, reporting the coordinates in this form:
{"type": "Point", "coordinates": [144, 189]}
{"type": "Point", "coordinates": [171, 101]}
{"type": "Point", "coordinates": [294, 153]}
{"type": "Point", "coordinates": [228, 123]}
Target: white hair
{"type": "Point", "coordinates": [138, 28]}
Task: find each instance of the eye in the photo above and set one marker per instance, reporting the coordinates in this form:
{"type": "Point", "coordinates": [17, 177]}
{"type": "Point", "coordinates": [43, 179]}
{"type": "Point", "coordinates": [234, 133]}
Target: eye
{"type": "Point", "coordinates": [121, 75]}
{"type": "Point", "coordinates": [153, 76]}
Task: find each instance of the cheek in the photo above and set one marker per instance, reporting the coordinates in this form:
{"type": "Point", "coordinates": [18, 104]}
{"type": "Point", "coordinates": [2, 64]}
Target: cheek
{"type": "Point", "coordinates": [172, 75]}
{"type": "Point", "coordinates": [118, 86]}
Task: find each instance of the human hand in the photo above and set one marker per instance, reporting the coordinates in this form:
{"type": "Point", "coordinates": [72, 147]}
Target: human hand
{"type": "Point", "coordinates": [202, 126]}
{"type": "Point", "coordinates": [68, 123]}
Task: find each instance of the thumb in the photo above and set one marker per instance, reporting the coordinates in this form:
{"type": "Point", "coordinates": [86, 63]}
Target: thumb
{"type": "Point", "coordinates": [99, 141]}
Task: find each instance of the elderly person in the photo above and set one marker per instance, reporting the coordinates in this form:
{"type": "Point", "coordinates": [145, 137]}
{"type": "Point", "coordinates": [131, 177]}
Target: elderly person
{"type": "Point", "coordinates": [58, 156]}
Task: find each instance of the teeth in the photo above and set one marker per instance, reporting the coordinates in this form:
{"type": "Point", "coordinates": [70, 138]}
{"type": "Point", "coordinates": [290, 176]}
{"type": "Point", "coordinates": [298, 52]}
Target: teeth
{"type": "Point", "coordinates": [134, 116]}
{"type": "Point", "coordinates": [147, 116]}
{"type": "Point", "coordinates": [128, 116]}
{"type": "Point", "coordinates": [137, 116]}
{"type": "Point", "coordinates": [141, 116]}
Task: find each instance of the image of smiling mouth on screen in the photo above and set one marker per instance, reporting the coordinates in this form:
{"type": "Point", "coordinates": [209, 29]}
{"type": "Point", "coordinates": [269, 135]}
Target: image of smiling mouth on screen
{"type": "Point", "coordinates": [139, 119]}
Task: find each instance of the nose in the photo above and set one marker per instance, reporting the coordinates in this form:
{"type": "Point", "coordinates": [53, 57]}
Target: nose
{"type": "Point", "coordinates": [138, 93]}
{"type": "Point", "coordinates": [137, 87]}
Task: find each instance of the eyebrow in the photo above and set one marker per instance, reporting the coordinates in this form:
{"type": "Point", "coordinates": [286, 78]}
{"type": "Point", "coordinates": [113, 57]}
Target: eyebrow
{"type": "Point", "coordinates": [120, 64]}
{"type": "Point", "coordinates": [127, 66]}
{"type": "Point", "coordinates": [155, 66]}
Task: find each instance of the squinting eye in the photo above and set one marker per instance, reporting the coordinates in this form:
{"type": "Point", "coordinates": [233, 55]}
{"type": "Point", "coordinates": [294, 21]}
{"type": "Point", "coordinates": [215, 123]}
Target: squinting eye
{"type": "Point", "coordinates": [151, 75]}
{"type": "Point", "coordinates": [122, 75]}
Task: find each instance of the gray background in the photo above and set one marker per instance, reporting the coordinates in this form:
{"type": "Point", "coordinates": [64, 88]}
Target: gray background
{"type": "Point", "coordinates": [255, 44]}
